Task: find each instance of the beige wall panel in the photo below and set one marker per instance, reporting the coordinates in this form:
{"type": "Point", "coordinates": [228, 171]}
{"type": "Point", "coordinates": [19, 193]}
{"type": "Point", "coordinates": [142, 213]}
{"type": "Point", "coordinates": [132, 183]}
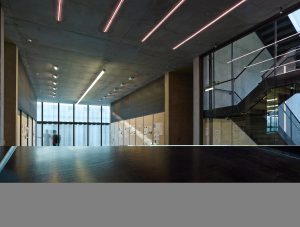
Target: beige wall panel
{"type": "Point", "coordinates": [34, 134]}
{"type": "Point", "coordinates": [132, 132]}
{"type": "Point", "coordinates": [126, 132]}
{"type": "Point", "coordinates": [24, 129]}
{"type": "Point", "coordinates": [116, 133]}
{"type": "Point", "coordinates": [158, 129]}
{"type": "Point", "coordinates": [112, 134]}
{"type": "Point", "coordinates": [148, 129]}
{"type": "Point", "coordinates": [139, 137]}
{"type": "Point", "coordinates": [29, 131]}
{"type": "Point", "coordinates": [18, 128]}
{"type": "Point", "coordinates": [121, 133]}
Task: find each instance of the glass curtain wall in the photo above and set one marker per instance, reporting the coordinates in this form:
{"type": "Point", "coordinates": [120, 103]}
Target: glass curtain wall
{"type": "Point", "coordinates": [247, 80]}
{"type": "Point", "coordinates": [73, 125]}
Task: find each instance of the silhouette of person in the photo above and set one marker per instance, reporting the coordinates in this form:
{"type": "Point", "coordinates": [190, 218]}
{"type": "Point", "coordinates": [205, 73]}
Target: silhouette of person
{"type": "Point", "coordinates": [47, 138]}
{"type": "Point", "coordinates": [55, 138]}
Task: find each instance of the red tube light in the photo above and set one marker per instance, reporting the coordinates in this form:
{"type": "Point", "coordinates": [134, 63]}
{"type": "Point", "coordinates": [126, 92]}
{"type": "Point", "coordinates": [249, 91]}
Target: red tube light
{"type": "Point", "coordinates": [113, 15]}
{"type": "Point", "coordinates": [59, 10]}
{"type": "Point", "coordinates": [210, 24]}
{"type": "Point", "coordinates": [163, 20]}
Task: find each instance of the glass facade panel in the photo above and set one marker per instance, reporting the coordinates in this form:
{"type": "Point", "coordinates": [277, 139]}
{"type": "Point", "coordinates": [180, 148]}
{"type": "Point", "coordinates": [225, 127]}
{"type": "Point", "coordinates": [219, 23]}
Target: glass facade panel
{"type": "Point", "coordinates": [105, 114]}
{"type": "Point", "coordinates": [81, 113]}
{"type": "Point", "coordinates": [95, 114]}
{"type": "Point", "coordinates": [95, 135]}
{"type": "Point", "coordinates": [50, 111]}
{"type": "Point", "coordinates": [39, 134]}
{"type": "Point", "coordinates": [105, 135]}
{"type": "Point", "coordinates": [65, 112]}
{"type": "Point", "coordinates": [49, 130]}
{"type": "Point", "coordinates": [81, 127]}
{"type": "Point", "coordinates": [246, 84]}
{"type": "Point", "coordinates": [66, 134]}
{"type": "Point", "coordinates": [80, 135]}
{"type": "Point", "coordinates": [39, 111]}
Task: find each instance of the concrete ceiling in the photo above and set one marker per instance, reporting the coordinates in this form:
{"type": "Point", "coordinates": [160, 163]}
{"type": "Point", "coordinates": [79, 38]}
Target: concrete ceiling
{"type": "Point", "coordinates": [81, 50]}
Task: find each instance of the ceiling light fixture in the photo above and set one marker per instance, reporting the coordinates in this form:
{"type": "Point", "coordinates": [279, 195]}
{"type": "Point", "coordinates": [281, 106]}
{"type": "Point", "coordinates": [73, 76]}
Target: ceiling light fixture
{"type": "Point", "coordinates": [264, 47]}
{"type": "Point", "coordinates": [163, 20]}
{"type": "Point", "coordinates": [92, 85]}
{"type": "Point", "coordinates": [131, 78]}
{"type": "Point", "coordinates": [55, 67]}
{"type": "Point", "coordinates": [29, 40]}
{"type": "Point", "coordinates": [54, 89]}
{"type": "Point", "coordinates": [209, 89]}
{"type": "Point", "coordinates": [54, 76]}
{"type": "Point", "coordinates": [59, 10]}
{"type": "Point", "coordinates": [113, 15]}
{"type": "Point", "coordinates": [210, 24]}
{"type": "Point", "coordinates": [122, 84]}
{"type": "Point", "coordinates": [54, 83]}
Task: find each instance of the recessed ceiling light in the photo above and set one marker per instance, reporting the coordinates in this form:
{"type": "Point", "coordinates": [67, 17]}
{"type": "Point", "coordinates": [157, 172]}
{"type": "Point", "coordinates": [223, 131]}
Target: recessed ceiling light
{"type": "Point", "coordinates": [29, 40]}
{"type": "Point", "coordinates": [113, 15]}
{"type": "Point", "coordinates": [92, 85]}
{"type": "Point", "coordinates": [131, 78]}
{"type": "Point", "coordinates": [115, 89]}
{"type": "Point", "coordinates": [54, 76]}
{"type": "Point", "coordinates": [54, 83]}
{"type": "Point", "coordinates": [210, 24]}
{"type": "Point", "coordinates": [164, 19]}
{"type": "Point", "coordinates": [122, 84]}
{"type": "Point", "coordinates": [55, 67]}
{"type": "Point", "coordinates": [59, 10]}
{"type": "Point", "coordinates": [54, 88]}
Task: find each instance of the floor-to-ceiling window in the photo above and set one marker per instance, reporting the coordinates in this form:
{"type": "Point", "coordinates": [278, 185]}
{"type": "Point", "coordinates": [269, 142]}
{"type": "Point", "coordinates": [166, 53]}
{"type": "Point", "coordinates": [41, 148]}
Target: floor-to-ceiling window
{"type": "Point", "coordinates": [73, 125]}
{"type": "Point", "coordinates": [246, 83]}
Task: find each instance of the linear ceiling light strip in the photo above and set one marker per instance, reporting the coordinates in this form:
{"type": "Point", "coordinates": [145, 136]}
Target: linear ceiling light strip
{"type": "Point", "coordinates": [169, 14]}
{"type": "Point", "coordinates": [279, 66]}
{"type": "Point", "coordinates": [258, 63]}
{"type": "Point", "coordinates": [210, 24]}
{"type": "Point", "coordinates": [59, 10]}
{"type": "Point", "coordinates": [113, 15]}
{"type": "Point", "coordinates": [91, 86]}
{"type": "Point", "coordinates": [264, 47]}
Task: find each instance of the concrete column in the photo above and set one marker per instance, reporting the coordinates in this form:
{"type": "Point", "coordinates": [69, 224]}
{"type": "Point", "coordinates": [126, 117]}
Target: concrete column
{"type": "Point", "coordinates": [167, 109]}
{"type": "Point", "coordinates": [11, 75]}
{"type": "Point", "coordinates": [1, 77]}
{"type": "Point", "coordinates": [198, 101]}
{"type": "Point", "coordinates": [179, 108]}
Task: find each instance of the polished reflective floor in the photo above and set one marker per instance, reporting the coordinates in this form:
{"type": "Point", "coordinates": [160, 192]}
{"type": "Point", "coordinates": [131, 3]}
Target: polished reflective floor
{"type": "Point", "coordinates": [153, 164]}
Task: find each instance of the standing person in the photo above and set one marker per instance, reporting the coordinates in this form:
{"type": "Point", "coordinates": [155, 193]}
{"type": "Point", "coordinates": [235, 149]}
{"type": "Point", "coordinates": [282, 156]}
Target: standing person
{"type": "Point", "coordinates": [55, 138]}
{"type": "Point", "coordinates": [47, 138]}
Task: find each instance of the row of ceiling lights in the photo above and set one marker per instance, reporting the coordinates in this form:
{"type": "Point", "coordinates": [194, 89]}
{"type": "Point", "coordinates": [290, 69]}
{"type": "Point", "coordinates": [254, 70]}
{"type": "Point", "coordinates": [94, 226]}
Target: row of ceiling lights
{"type": "Point", "coordinates": [54, 81]}
{"type": "Point", "coordinates": [160, 23]}
{"type": "Point", "coordinates": [123, 84]}
{"type": "Point", "coordinates": [147, 36]}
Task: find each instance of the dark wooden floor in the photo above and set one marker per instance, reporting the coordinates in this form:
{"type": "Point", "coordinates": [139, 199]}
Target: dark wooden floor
{"type": "Point", "coordinates": [153, 164]}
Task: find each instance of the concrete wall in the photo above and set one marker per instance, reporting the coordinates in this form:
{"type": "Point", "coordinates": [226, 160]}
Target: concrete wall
{"type": "Point", "coordinates": [225, 132]}
{"type": "Point", "coordinates": [179, 108]}
{"type": "Point", "coordinates": [1, 78]}
{"type": "Point", "coordinates": [146, 100]}
{"type": "Point", "coordinates": [27, 97]}
{"type": "Point", "coordinates": [10, 94]}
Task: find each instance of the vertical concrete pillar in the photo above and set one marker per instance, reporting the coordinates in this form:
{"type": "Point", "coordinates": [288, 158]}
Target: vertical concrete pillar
{"type": "Point", "coordinates": [167, 109]}
{"type": "Point", "coordinates": [11, 75]}
{"type": "Point", "coordinates": [179, 108]}
{"type": "Point", "coordinates": [198, 101]}
{"type": "Point", "coordinates": [1, 77]}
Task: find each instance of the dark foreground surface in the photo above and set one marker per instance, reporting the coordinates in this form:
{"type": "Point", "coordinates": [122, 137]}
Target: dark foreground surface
{"type": "Point", "coordinates": [153, 164]}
